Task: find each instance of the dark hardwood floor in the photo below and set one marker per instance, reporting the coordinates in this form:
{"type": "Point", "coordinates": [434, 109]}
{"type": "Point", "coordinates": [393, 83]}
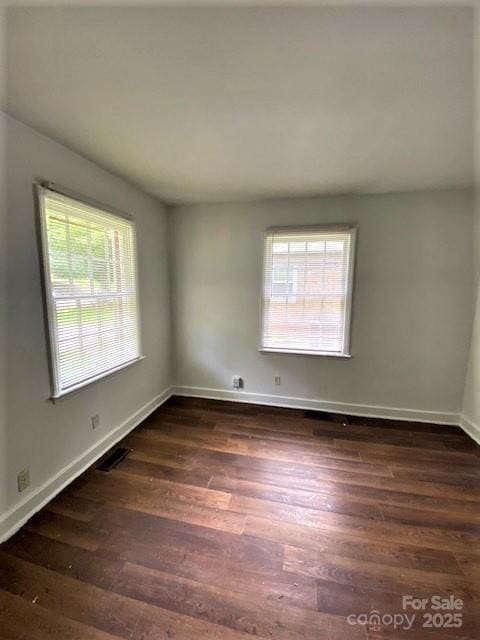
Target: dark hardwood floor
{"type": "Point", "coordinates": [228, 521]}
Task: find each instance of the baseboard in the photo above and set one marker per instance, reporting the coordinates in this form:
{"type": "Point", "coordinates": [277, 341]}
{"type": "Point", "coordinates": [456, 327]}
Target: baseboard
{"type": "Point", "coordinates": [366, 410]}
{"type": "Point", "coordinates": [470, 428]}
{"type": "Point", "coordinates": [16, 517]}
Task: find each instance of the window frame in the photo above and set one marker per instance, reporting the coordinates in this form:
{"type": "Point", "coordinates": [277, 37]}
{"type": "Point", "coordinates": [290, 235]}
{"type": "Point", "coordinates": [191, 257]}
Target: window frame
{"type": "Point", "coordinates": [352, 229]}
{"type": "Point", "coordinates": [40, 188]}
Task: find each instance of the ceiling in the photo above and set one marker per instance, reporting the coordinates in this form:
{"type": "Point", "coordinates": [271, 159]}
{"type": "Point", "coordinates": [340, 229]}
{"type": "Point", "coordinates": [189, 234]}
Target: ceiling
{"type": "Point", "coordinates": [231, 103]}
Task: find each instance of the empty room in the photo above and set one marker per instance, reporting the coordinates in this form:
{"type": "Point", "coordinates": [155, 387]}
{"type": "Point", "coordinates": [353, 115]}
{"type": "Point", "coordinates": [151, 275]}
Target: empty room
{"type": "Point", "coordinates": [239, 320]}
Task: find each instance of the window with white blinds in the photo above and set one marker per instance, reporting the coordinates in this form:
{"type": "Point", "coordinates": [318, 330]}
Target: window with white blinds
{"type": "Point", "coordinates": [307, 290]}
{"type": "Point", "coordinates": [89, 259]}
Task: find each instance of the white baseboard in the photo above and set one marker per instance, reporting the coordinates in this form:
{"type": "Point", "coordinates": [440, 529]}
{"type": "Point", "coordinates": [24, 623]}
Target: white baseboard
{"type": "Point", "coordinates": [16, 517]}
{"type": "Point", "coordinates": [470, 428]}
{"type": "Point", "coordinates": [365, 410]}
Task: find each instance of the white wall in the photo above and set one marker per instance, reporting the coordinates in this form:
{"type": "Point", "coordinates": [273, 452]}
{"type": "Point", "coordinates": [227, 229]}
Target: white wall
{"type": "Point", "coordinates": [411, 315]}
{"type": "Point", "coordinates": [470, 419]}
{"type": "Point", "coordinates": [49, 438]}
{"type": "Point", "coordinates": [471, 399]}
{"type": "Point", "coordinates": [3, 308]}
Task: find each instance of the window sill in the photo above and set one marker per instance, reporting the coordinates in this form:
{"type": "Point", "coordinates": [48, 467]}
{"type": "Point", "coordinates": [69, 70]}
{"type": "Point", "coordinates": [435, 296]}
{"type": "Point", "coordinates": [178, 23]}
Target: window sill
{"type": "Point", "coordinates": [299, 352]}
{"type": "Point", "coordinates": [82, 385]}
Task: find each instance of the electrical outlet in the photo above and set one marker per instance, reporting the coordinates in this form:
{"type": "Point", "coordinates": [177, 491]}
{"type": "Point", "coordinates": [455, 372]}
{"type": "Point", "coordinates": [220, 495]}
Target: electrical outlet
{"type": "Point", "coordinates": [95, 421]}
{"type": "Point", "coordinates": [23, 479]}
{"type": "Point", "coordinates": [238, 383]}
{"type": "Point", "coordinates": [278, 380]}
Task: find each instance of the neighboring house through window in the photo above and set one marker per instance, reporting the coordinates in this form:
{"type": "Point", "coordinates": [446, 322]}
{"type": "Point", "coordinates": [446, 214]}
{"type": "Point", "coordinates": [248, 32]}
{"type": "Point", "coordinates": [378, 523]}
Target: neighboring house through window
{"type": "Point", "coordinates": [307, 289]}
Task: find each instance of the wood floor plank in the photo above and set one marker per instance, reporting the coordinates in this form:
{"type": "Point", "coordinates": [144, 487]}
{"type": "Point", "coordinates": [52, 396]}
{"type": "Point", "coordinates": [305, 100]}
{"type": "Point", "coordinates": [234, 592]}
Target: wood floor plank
{"type": "Point", "coordinates": [185, 418]}
{"type": "Point", "coordinates": [324, 456]}
{"type": "Point", "coordinates": [427, 518]}
{"type": "Point", "coordinates": [295, 430]}
{"type": "Point", "coordinates": [317, 477]}
{"type": "Point", "coordinates": [373, 575]}
{"type": "Point", "coordinates": [295, 497]}
{"type": "Point", "coordinates": [37, 623]}
{"type": "Point", "coordinates": [235, 570]}
{"type": "Point", "coordinates": [174, 454]}
{"type": "Point", "coordinates": [65, 529]}
{"type": "Point", "coordinates": [345, 599]}
{"type": "Point", "coordinates": [158, 624]}
{"type": "Point", "coordinates": [131, 527]}
{"type": "Point", "coordinates": [405, 439]}
{"type": "Point", "coordinates": [93, 608]}
{"type": "Point", "coordinates": [292, 426]}
{"type": "Point", "coordinates": [169, 500]}
{"type": "Point", "coordinates": [135, 465]}
{"type": "Point", "coordinates": [229, 521]}
{"type": "Point", "coordinates": [76, 508]}
{"type": "Point", "coordinates": [242, 612]}
{"type": "Point", "coordinates": [330, 485]}
{"type": "Point", "coordinates": [445, 474]}
{"type": "Point", "coordinates": [361, 528]}
{"type": "Point", "coordinates": [85, 603]}
{"type": "Point", "coordinates": [380, 449]}
{"type": "Point", "coordinates": [65, 559]}
{"type": "Point", "coordinates": [400, 555]}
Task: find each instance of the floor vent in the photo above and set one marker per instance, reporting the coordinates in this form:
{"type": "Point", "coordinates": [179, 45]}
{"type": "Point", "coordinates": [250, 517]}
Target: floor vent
{"type": "Point", "coordinates": [326, 416]}
{"type": "Point", "coordinates": [113, 458]}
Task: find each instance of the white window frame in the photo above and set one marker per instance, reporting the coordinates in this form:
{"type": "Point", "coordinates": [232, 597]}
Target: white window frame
{"type": "Point", "coordinates": [40, 190]}
{"type": "Point", "coordinates": [330, 228]}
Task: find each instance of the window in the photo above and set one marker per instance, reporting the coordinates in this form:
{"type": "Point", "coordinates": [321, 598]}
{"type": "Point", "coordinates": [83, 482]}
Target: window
{"type": "Point", "coordinates": [307, 290]}
{"type": "Point", "coordinates": [90, 283]}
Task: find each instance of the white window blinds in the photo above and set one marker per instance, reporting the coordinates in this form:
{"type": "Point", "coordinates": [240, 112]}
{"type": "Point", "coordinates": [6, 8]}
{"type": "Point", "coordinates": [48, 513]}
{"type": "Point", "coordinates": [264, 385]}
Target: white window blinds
{"type": "Point", "coordinates": [307, 289]}
{"type": "Point", "coordinates": [89, 258]}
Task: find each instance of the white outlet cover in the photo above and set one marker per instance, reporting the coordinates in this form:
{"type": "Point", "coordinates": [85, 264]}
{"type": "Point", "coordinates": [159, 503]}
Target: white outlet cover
{"type": "Point", "coordinates": [23, 479]}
